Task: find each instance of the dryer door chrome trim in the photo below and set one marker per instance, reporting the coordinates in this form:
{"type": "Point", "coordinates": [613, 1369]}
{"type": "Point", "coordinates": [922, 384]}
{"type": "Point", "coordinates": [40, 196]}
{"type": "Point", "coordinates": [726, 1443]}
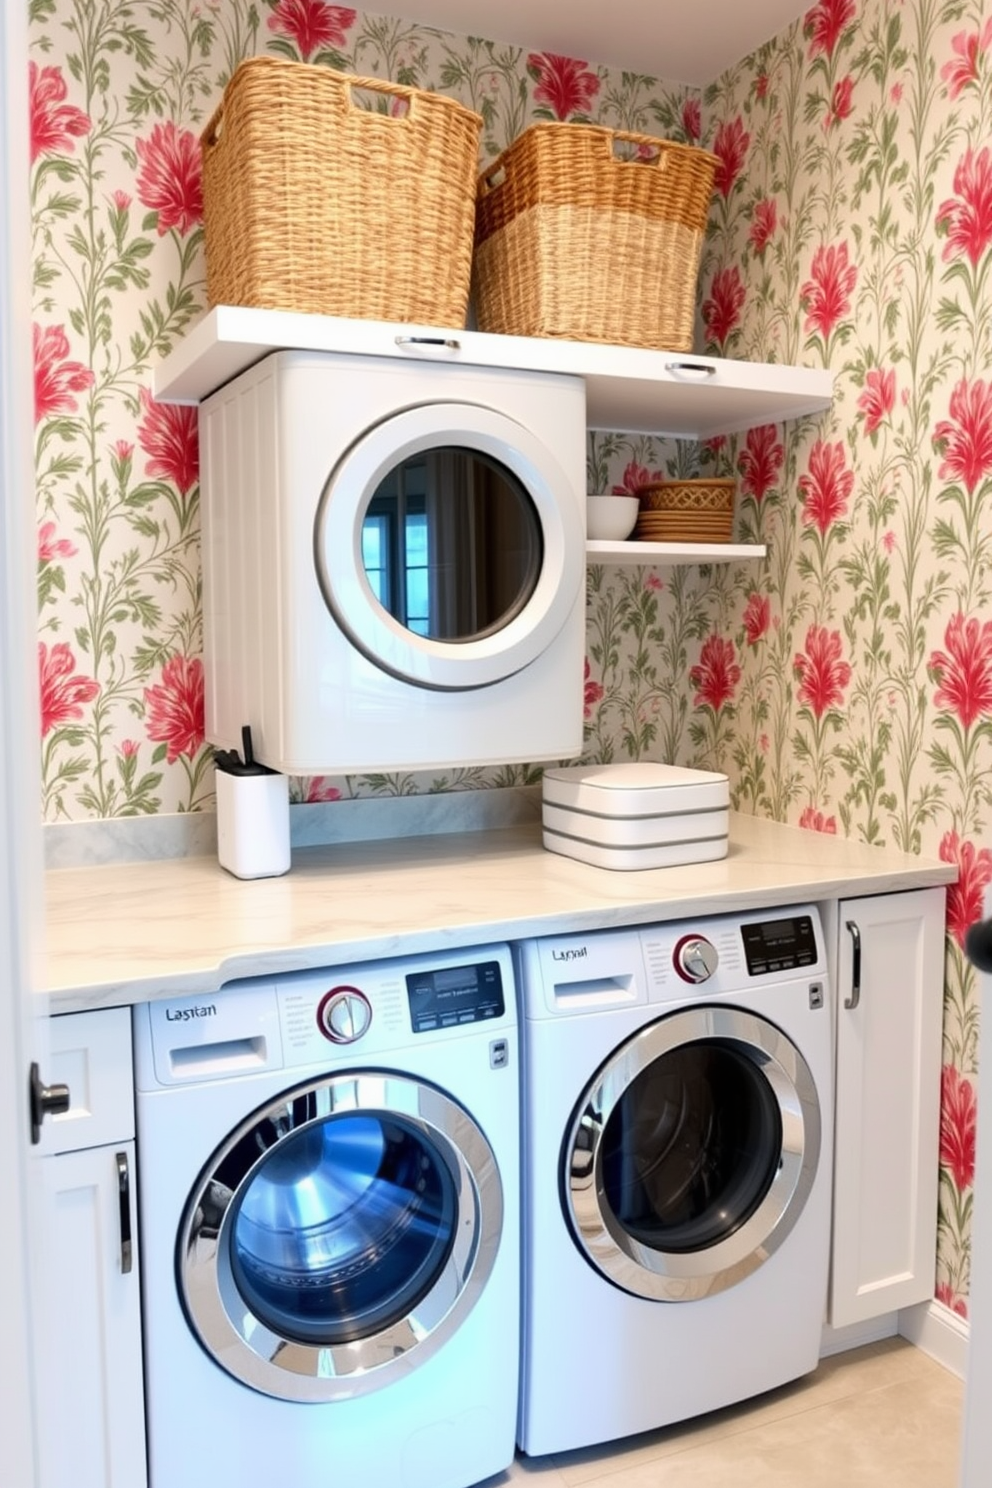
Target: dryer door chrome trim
{"type": "Point", "coordinates": [345, 1363]}
{"type": "Point", "coordinates": [789, 1091]}
{"type": "Point", "coordinates": [528, 629]}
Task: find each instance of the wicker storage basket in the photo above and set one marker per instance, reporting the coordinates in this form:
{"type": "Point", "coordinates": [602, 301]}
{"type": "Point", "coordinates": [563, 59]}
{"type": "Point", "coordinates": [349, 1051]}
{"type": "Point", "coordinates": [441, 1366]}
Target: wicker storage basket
{"type": "Point", "coordinates": [313, 203]}
{"type": "Point", "coordinates": [687, 511]}
{"type": "Point", "coordinates": [572, 241]}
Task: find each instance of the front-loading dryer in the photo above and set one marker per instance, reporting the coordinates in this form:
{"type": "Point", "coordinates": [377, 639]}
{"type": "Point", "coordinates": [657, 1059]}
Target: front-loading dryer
{"type": "Point", "coordinates": [330, 1226]}
{"type": "Point", "coordinates": [677, 1170]}
{"type": "Point", "coordinates": [393, 563]}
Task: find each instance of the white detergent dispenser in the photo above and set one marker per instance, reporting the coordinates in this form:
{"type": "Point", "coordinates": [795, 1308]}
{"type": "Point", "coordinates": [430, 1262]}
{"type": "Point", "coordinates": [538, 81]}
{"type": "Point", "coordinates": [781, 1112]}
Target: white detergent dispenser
{"type": "Point", "coordinates": [394, 563]}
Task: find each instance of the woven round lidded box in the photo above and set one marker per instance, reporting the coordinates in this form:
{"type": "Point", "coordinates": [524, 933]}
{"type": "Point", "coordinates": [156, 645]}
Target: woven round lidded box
{"type": "Point", "coordinates": [699, 510]}
{"type": "Point", "coordinates": [592, 234]}
{"type": "Point", "coordinates": [315, 202]}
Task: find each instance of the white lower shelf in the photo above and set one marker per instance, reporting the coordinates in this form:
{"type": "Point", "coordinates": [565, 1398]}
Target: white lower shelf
{"type": "Point", "coordinates": [669, 553]}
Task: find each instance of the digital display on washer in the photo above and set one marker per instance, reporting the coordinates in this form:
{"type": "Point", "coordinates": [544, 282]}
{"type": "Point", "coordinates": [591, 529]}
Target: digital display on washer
{"type": "Point", "coordinates": [455, 994]}
{"type": "Point", "coordinates": [779, 945]}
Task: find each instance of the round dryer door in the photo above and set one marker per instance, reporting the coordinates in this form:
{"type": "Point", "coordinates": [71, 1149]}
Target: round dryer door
{"type": "Point", "coordinates": [691, 1155]}
{"type": "Point", "coordinates": [339, 1236]}
{"type": "Point", "coordinates": [444, 546]}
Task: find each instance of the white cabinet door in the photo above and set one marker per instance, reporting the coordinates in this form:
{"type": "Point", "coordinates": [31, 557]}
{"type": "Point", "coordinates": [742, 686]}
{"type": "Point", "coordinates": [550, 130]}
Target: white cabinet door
{"type": "Point", "coordinates": [92, 1412]}
{"type": "Point", "coordinates": [890, 977]}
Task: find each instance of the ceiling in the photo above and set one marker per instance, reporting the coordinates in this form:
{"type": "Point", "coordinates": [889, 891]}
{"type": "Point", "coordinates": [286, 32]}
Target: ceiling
{"type": "Point", "coordinates": [681, 41]}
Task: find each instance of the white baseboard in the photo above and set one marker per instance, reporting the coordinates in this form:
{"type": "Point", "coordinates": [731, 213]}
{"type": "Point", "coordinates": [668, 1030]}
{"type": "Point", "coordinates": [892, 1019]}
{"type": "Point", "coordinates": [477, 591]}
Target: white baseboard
{"type": "Point", "coordinates": [939, 1332]}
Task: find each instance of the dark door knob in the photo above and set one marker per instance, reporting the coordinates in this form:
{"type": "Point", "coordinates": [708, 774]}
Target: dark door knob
{"type": "Point", "coordinates": [978, 945]}
{"type": "Point", "coordinates": [45, 1100]}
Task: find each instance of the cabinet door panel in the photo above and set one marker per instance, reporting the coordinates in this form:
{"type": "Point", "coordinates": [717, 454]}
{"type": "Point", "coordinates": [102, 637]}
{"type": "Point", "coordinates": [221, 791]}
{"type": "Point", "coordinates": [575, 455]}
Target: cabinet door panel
{"type": "Point", "coordinates": [888, 1103]}
{"type": "Point", "coordinates": [92, 1411]}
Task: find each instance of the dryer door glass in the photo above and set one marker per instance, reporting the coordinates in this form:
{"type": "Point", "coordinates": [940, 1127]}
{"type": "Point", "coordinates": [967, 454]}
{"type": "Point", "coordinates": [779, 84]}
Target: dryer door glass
{"type": "Point", "coordinates": [342, 1228]}
{"type": "Point", "coordinates": [451, 544]}
{"type": "Point", "coordinates": [691, 1147]}
{"type": "Point", "coordinates": [339, 1236]}
{"type": "Point", "coordinates": [692, 1153]}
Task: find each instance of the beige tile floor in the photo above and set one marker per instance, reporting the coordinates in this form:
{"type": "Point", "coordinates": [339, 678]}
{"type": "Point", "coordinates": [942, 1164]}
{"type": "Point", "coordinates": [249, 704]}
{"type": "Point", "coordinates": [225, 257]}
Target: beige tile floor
{"type": "Point", "coordinates": [883, 1414]}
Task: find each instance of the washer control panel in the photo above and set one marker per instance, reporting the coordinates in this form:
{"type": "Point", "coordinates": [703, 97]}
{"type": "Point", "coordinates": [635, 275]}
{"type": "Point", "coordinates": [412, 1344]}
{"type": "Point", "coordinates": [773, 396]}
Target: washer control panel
{"type": "Point", "coordinates": [779, 945]}
{"type": "Point", "coordinates": [447, 996]}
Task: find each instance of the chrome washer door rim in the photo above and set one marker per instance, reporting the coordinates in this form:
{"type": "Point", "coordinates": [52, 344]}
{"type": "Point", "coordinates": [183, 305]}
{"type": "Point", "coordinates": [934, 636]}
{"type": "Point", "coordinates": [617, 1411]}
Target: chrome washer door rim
{"type": "Point", "coordinates": [680, 1277]}
{"type": "Point", "coordinates": [302, 1372]}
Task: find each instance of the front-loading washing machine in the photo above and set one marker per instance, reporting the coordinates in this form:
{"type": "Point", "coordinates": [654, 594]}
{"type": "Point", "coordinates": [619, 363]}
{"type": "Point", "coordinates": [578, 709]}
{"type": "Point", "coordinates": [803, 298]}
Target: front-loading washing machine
{"type": "Point", "coordinates": [329, 1208]}
{"type": "Point", "coordinates": [393, 563]}
{"type": "Point", "coordinates": [677, 1170]}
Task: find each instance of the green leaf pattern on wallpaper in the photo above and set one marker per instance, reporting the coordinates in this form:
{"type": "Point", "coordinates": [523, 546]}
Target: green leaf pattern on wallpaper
{"type": "Point", "coordinates": [844, 683]}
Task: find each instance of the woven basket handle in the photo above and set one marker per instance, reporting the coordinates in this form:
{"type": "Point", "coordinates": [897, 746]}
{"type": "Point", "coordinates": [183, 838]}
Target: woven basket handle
{"type": "Point", "coordinates": [211, 133]}
{"type": "Point", "coordinates": [380, 85]}
{"type": "Point", "coordinates": [657, 146]}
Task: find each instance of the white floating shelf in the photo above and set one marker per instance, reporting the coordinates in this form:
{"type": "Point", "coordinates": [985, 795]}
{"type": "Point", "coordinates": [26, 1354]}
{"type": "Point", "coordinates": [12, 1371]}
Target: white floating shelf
{"type": "Point", "coordinates": [628, 390]}
{"type": "Point", "coordinates": [661, 554]}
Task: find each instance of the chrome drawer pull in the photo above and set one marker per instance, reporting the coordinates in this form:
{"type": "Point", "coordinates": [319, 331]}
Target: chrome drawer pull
{"type": "Point", "coordinates": [124, 1203]}
{"type": "Point", "coordinates": [855, 997]}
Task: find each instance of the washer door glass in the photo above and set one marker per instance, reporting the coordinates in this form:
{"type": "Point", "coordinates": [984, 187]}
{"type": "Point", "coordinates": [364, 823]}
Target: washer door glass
{"type": "Point", "coordinates": [342, 1228]}
{"type": "Point", "coordinates": [691, 1156]}
{"type": "Point", "coordinates": [339, 1236]}
{"type": "Point", "coordinates": [449, 546]}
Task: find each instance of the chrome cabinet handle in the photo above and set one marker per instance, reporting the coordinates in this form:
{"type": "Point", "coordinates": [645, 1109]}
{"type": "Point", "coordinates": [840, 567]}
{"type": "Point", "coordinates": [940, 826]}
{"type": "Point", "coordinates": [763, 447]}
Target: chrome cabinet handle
{"type": "Point", "coordinates": [449, 342]}
{"type": "Point", "coordinates": [691, 369]}
{"type": "Point", "coordinates": [124, 1203]}
{"type": "Point", "coordinates": [855, 997]}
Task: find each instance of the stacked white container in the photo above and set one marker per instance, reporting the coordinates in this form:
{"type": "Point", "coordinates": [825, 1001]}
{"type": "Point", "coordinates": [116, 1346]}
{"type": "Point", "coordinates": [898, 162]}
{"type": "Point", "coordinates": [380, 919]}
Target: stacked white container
{"type": "Point", "coordinates": [636, 815]}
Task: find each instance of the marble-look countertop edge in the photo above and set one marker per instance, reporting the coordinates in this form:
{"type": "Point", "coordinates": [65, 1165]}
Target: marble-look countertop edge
{"type": "Point", "coordinates": [131, 933]}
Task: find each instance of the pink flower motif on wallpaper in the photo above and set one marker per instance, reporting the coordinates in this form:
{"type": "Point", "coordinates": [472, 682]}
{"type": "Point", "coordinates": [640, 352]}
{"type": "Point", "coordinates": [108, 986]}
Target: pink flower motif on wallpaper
{"type": "Point", "coordinates": [964, 670]}
{"type": "Point", "coordinates": [169, 180]}
{"type": "Point", "coordinates": [51, 547]}
{"type": "Point", "coordinates": [319, 790]}
{"type": "Point", "coordinates": [841, 103]}
{"type": "Point", "coordinates": [56, 376]}
{"type": "Point", "coordinates": [965, 898]}
{"type": "Point", "coordinates": [53, 124]}
{"type": "Point", "coordinates": [168, 435]}
{"type": "Point", "coordinates": [592, 692]}
{"type": "Point", "coordinates": [945, 1294]}
{"type": "Point", "coordinates": [962, 70]}
{"type": "Point", "coordinates": [825, 24]}
{"type": "Point", "coordinates": [966, 218]}
{"type": "Point", "coordinates": [564, 84]}
{"type": "Point", "coordinates": [958, 1121]}
{"type": "Point", "coordinates": [815, 821]}
{"type": "Point", "coordinates": [827, 486]}
{"type": "Point", "coordinates": [757, 617]}
{"type": "Point", "coordinates": [63, 692]}
{"type": "Point", "coordinates": [826, 295]}
{"type": "Point", "coordinates": [760, 461]}
{"type": "Point", "coordinates": [761, 85]}
{"type": "Point", "coordinates": [634, 477]}
{"type": "Point", "coordinates": [692, 118]}
{"type": "Point", "coordinates": [879, 397]}
{"type": "Point", "coordinates": [312, 25]}
{"type": "Point", "coordinates": [763, 224]}
{"type": "Point", "coordinates": [724, 303]}
{"type": "Point", "coordinates": [175, 708]}
{"type": "Point", "coordinates": [730, 147]}
{"type": "Point", "coordinates": [822, 671]}
{"type": "Point", "coordinates": [716, 674]}
{"type": "Point", "coordinates": [965, 440]}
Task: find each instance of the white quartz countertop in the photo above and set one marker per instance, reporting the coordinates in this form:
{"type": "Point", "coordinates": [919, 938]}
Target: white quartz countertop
{"type": "Point", "coordinates": [130, 932]}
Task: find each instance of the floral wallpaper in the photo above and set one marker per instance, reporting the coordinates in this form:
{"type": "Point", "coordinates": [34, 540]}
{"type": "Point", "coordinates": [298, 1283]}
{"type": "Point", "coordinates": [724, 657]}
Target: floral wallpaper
{"type": "Point", "coordinates": [844, 683]}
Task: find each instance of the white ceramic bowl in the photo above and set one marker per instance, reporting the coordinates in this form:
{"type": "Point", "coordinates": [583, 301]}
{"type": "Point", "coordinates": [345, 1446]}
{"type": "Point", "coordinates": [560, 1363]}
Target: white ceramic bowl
{"type": "Point", "coordinates": [611, 518]}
